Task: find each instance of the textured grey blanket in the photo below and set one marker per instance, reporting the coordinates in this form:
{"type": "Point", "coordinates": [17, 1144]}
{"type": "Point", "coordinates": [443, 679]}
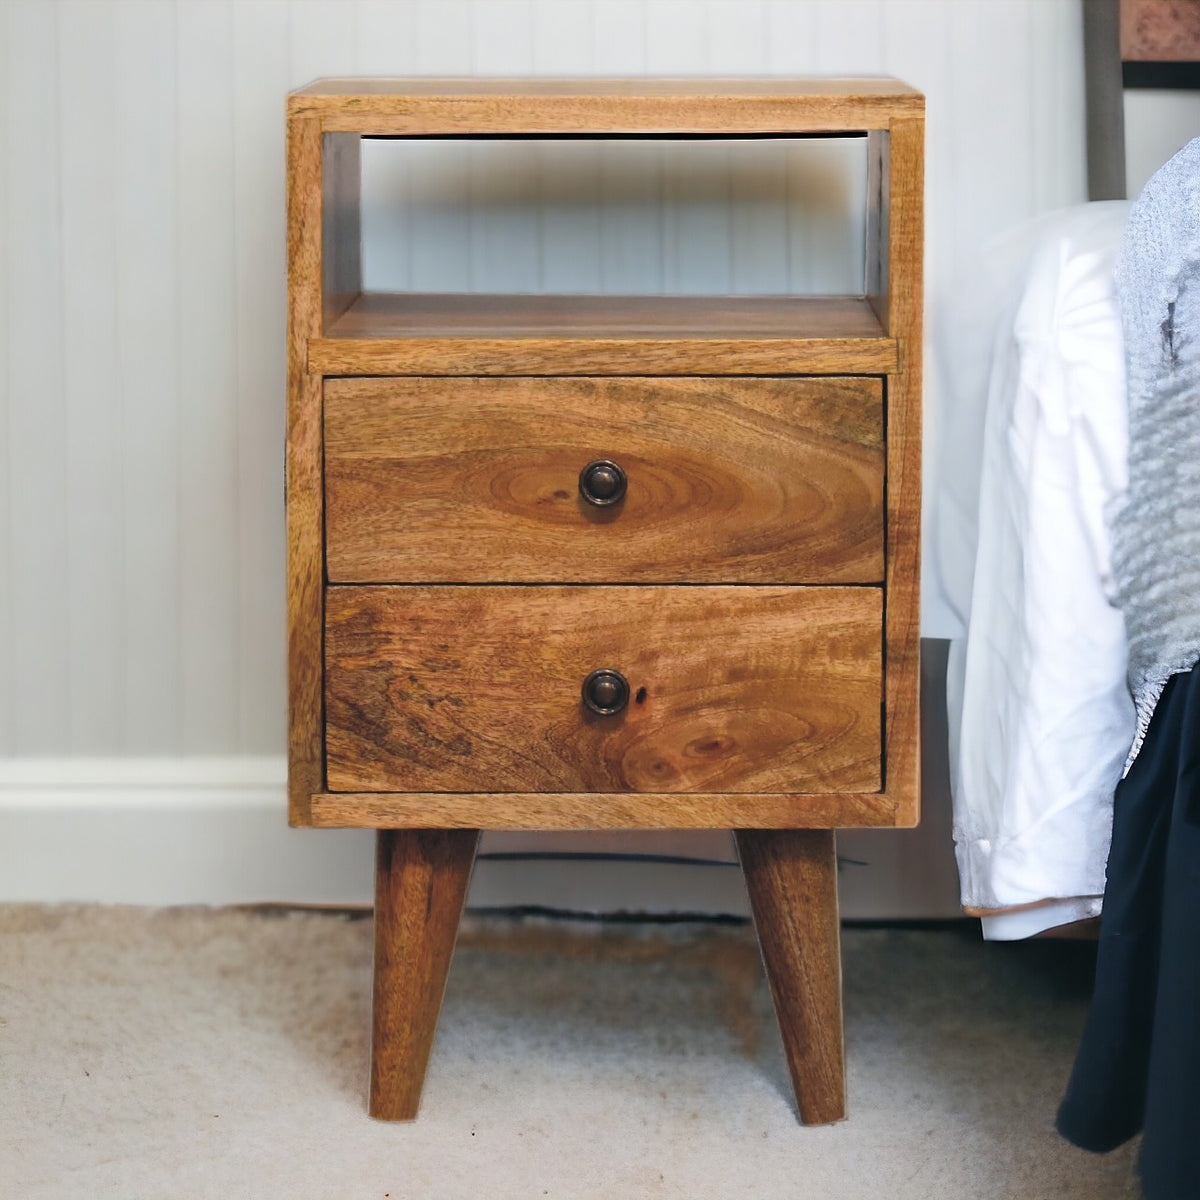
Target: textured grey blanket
{"type": "Point", "coordinates": [1156, 534]}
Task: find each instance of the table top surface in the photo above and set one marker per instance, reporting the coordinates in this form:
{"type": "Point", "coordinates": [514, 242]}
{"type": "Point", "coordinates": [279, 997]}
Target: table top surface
{"type": "Point", "coordinates": [810, 87]}
{"type": "Point", "coordinates": [606, 107]}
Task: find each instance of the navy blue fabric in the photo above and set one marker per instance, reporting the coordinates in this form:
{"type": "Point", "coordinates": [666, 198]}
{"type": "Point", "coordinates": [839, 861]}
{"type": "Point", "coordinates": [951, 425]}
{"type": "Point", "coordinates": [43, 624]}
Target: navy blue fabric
{"type": "Point", "coordinates": [1138, 1064]}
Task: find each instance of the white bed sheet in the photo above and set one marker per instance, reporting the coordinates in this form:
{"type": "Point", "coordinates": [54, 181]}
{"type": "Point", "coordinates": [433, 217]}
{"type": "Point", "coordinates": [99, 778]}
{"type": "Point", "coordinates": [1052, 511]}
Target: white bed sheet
{"type": "Point", "coordinates": [1035, 444]}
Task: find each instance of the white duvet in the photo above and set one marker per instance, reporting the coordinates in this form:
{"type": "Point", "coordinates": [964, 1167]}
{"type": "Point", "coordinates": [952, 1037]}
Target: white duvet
{"type": "Point", "coordinates": [1034, 421]}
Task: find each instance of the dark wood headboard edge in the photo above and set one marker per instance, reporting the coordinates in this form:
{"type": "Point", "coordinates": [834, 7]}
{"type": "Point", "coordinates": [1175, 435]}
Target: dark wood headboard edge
{"type": "Point", "coordinates": [1104, 99]}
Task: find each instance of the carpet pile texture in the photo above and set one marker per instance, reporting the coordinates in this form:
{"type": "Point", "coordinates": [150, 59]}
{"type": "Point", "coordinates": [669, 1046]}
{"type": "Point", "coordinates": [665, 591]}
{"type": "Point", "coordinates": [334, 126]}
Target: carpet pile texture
{"type": "Point", "coordinates": [223, 1053]}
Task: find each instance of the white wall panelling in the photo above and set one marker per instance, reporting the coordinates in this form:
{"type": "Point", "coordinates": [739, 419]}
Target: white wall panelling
{"type": "Point", "coordinates": [148, 353]}
{"type": "Point", "coordinates": [142, 308]}
{"type": "Point", "coordinates": [38, 684]}
{"type": "Point", "coordinates": [6, 547]}
{"type": "Point", "coordinates": [143, 304]}
{"type": "Point", "coordinates": [208, 831]}
{"type": "Point", "coordinates": [1158, 123]}
{"type": "Point", "coordinates": [772, 215]}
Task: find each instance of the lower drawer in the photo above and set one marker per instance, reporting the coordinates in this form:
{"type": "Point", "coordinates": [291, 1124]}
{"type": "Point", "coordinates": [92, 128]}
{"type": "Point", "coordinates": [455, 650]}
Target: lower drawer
{"type": "Point", "coordinates": [480, 689]}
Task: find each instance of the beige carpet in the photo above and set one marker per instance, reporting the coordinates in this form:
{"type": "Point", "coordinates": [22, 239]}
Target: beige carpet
{"type": "Point", "coordinates": [184, 1053]}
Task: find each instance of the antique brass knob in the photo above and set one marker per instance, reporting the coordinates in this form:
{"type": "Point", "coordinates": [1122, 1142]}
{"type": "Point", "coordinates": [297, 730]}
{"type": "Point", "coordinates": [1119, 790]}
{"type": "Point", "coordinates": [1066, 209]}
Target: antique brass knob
{"type": "Point", "coordinates": [602, 483]}
{"type": "Point", "coordinates": [606, 692]}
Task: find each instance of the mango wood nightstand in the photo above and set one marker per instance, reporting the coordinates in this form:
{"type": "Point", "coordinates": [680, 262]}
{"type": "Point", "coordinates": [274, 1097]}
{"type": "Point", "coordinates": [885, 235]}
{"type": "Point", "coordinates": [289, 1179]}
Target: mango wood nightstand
{"type": "Point", "coordinates": [602, 562]}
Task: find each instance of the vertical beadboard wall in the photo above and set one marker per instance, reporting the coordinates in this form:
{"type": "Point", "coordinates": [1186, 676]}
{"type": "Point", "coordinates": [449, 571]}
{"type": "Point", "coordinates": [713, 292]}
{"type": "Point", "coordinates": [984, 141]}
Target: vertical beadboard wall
{"type": "Point", "coordinates": [142, 687]}
{"type": "Point", "coordinates": [620, 217]}
{"type": "Point", "coordinates": [142, 312]}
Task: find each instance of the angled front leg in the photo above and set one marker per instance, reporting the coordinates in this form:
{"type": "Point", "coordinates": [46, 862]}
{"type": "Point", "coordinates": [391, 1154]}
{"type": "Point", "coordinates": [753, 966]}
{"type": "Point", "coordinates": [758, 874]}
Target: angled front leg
{"type": "Point", "coordinates": [791, 876]}
{"type": "Point", "coordinates": [421, 879]}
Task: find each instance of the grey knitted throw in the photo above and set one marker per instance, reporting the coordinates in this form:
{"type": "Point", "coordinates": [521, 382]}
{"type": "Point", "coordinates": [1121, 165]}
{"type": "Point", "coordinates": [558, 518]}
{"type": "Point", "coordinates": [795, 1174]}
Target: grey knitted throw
{"type": "Point", "coordinates": [1156, 533]}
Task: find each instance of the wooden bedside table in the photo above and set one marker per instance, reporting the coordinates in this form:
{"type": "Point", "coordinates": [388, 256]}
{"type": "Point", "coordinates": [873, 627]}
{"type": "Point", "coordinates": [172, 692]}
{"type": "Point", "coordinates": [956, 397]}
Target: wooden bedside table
{"type": "Point", "coordinates": [602, 562]}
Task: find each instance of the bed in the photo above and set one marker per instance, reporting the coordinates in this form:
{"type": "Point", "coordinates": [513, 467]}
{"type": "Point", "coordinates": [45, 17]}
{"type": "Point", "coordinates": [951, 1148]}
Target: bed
{"type": "Point", "coordinates": [1067, 532]}
{"type": "Point", "coordinates": [1034, 413]}
{"type": "Point", "coordinates": [1040, 718]}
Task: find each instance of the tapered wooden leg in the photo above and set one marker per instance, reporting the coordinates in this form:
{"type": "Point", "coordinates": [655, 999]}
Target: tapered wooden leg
{"type": "Point", "coordinates": [421, 881]}
{"type": "Point", "coordinates": [791, 876]}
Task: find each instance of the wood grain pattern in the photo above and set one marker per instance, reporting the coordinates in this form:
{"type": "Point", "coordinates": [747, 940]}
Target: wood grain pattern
{"type": "Point", "coordinates": [479, 334]}
{"type": "Point", "coordinates": [602, 356]}
{"type": "Point", "coordinates": [382, 315]}
{"type": "Point", "coordinates": [730, 480]}
{"type": "Point", "coordinates": [446, 107]}
{"type": "Point", "coordinates": [738, 689]}
{"type": "Point", "coordinates": [324, 275]}
{"type": "Point", "coordinates": [879, 333]}
{"type": "Point", "coordinates": [421, 880]}
{"type": "Point", "coordinates": [306, 743]}
{"type": "Point", "coordinates": [599, 810]}
{"type": "Point", "coordinates": [451, 708]}
{"type": "Point", "coordinates": [628, 89]}
{"type": "Point", "coordinates": [906, 191]}
{"type": "Point", "coordinates": [341, 224]}
{"type": "Point", "coordinates": [791, 876]}
{"type": "Point", "coordinates": [878, 170]}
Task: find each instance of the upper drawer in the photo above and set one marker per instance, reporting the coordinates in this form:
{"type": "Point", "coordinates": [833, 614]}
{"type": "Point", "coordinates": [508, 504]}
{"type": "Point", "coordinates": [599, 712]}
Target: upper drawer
{"type": "Point", "coordinates": [726, 480]}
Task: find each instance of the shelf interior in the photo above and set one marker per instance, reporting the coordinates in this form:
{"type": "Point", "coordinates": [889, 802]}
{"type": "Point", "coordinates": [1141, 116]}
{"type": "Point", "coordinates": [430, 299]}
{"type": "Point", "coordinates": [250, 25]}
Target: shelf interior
{"type": "Point", "coordinates": [395, 315]}
{"type": "Point", "coordinates": [484, 334]}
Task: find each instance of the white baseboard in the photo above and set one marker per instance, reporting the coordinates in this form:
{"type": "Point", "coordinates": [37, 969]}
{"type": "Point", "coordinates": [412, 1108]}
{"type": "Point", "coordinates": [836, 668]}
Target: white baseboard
{"type": "Point", "coordinates": [167, 831]}
{"type": "Point", "coordinates": [214, 831]}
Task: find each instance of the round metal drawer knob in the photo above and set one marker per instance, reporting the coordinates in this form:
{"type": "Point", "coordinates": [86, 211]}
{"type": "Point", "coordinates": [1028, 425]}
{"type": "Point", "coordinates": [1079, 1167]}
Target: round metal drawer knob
{"type": "Point", "coordinates": [602, 483]}
{"type": "Point", "coordinates": [606, 692]}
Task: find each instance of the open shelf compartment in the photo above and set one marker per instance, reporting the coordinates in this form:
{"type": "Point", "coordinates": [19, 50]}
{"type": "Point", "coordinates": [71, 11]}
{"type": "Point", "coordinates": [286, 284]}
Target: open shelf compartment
{"type": "Point", "coordinates": [361, 332]}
